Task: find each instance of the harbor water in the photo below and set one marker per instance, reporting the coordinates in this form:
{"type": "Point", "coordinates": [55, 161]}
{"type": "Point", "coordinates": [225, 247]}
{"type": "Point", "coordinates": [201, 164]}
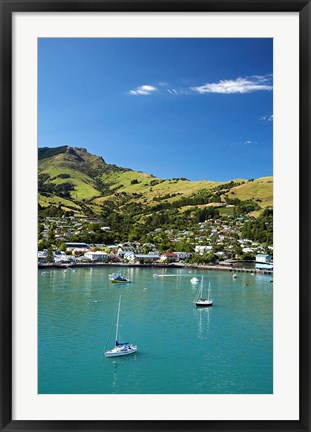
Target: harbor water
{"type": "Point", "coordinates": [182, 349]}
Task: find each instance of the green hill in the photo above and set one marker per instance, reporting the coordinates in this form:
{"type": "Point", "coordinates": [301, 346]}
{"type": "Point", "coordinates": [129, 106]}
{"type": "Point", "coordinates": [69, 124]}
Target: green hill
{"type": "Point", "coordinates": [259, 190]}
{"type": "Point", "coordinates": [75, 180]}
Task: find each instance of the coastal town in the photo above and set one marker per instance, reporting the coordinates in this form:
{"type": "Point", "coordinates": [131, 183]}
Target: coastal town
{"type": "Point", "coordinates": [155, 221]}
{"type": "Point", "coordinates": [221, 242]}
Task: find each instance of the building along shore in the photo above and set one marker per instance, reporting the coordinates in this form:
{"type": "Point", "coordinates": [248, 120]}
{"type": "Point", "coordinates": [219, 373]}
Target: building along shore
{"type": "Point", "coordinates": [230, 268]}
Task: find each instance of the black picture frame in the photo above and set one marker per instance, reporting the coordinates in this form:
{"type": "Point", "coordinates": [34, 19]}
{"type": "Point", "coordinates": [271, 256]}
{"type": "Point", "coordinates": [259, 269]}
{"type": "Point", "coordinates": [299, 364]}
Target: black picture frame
{"type": "Point", "coordinates": [8, 7]}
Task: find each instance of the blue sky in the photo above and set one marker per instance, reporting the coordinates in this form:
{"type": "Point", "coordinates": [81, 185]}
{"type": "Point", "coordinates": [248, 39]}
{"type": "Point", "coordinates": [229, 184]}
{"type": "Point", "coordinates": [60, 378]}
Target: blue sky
{"type": "Point", "coordinates": [194, 108]}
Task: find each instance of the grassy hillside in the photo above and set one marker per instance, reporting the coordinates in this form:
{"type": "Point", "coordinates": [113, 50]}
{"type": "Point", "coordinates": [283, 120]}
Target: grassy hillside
{"type": "Point", "coordinates": [150, 187]}
{"type": "Point", "coordinates": [75, 180]}
{"type": "Point", "coordinates": [259, 190]}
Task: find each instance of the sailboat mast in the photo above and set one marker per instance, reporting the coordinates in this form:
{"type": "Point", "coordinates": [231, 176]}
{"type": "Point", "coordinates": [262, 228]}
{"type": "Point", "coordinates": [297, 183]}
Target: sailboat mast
{"type": "Point", "coordinates": [202, 287]}
{"type": "Point", "coordinates": [209, 288]}
{"type": "Point", "coordinates": [117, 324]}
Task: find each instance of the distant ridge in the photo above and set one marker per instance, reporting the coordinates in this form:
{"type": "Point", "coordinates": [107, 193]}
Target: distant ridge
{"type": "Point", "coordinates": [45, 152]}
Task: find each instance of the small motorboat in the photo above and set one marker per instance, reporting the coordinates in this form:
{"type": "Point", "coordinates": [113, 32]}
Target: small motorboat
{"type": "Point", "coordinates": [118, 278]}
{"type": "Point", "coordinates": [194, 280]}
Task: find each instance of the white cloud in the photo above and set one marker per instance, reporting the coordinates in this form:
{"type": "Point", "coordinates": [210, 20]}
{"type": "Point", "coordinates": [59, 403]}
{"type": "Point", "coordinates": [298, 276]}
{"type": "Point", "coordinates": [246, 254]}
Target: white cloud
{"type": "Point", "coordinates": [240, 85]}
{"type": "Point", "coordinates": [248, 142]}
{"type": "Point", "coordinates": [267, 118]}
{"type": "Point", "coordinates": [144, 90]}
{"type": "Point", "coordinates": [173, 91]}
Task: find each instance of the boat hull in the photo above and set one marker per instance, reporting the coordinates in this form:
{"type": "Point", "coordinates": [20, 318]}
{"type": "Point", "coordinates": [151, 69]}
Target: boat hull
{"type": "Point", "coordinates": [118, 278]}
{"type": "Point", "coordinates": [118, 352]}
{"type": "Point", "coordinates": [204, 304]}
{"type": "Point", "coordinates": [119, 282]}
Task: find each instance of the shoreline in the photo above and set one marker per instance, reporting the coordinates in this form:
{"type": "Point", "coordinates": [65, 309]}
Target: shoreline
{"type": "Point", "coordinates": [155, 266]}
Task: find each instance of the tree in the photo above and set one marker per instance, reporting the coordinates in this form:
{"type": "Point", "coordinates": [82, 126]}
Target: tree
{"type": "Point", "coordinates": [206, 258]}
{"type": "Point", "coordinates": [51, 235]}
{"type": "Point", "coordinates": [42, 244]}
{"type": "Point", "coordinates": [248, 256]}
{"type": "Point", "coordinates": [237, 250]}
{"type": "Point", "coordinates": [184, 246]}
{"type": "Point", "coordinates": [63, 247]}
{"type": "Point", "coordinates": [50, 256]}
{"type": "Point", "coordinates": [260, 229]}
{"type": "Point", "coordinates": [40, 230]}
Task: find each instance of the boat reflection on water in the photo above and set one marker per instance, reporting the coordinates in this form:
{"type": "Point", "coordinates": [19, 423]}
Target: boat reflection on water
{"type": "Point", "coordinates": [204, 318]}
{"type": "Point", "coordinates": [117, 363]}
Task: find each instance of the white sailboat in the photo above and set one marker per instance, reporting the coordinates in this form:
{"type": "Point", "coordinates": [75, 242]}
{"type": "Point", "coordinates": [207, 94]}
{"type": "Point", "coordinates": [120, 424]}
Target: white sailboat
{"type": "Point", "coordinates": [200, 301]}
{"type": "Point", "coordinates": [121, 348]}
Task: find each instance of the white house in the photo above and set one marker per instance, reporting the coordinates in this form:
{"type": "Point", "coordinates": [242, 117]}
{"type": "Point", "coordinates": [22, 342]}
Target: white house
{"type": "Point", "coordinates": [128, 255]}
{"type": "Point", "coordinates": [169, 257]}
{"type": "Point", "coordinates": [97, 256]}
{"type": "Point", "coordinates": [221, 254]}
{"type": "Point", "coordinates": [264, 262]}
{"type": "Point", "coordinates": [263, 258]}
{"type": "Point", "coordinates": [201, 249]}
{"type": "Point", "coordinates": [64, 259]}
{"type": "Point", "coordinates": [147, 257]}
{"type": "Point", "coordinates": [183, 255]}
{"type": "Point", "coordinates": [247, 250]}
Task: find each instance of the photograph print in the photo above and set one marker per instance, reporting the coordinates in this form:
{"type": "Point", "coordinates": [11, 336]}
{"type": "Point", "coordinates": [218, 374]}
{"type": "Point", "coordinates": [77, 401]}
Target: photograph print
{"type": "Point", "coordinates": [155, 216]}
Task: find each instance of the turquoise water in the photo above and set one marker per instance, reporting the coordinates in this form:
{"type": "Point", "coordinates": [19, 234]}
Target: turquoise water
{"type": "Point", "coordinates": [181, 349]}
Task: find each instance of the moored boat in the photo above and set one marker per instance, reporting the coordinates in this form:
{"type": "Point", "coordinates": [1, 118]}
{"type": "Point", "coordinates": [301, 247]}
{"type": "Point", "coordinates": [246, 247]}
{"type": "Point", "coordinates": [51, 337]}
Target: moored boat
{"type": "Point", "coordinates": [118, 278]}
{"type": "Point", "coordinates": [120, 348]}
{"type": "Point", "coordinates": [200, 301]}
{"type": "Point", "coordinates": [194, 280]}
